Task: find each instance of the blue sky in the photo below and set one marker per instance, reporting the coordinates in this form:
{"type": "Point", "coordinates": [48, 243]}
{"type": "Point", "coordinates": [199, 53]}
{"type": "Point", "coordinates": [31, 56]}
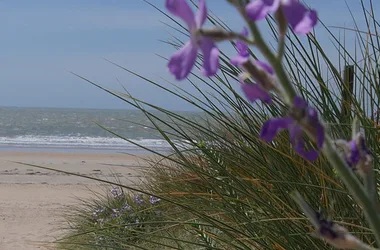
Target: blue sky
{"type": "Point", "coordinates": [42, 40]}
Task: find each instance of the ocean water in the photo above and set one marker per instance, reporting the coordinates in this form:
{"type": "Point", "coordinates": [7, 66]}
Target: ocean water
{"type": "Point", "coordinates": [56, 129]}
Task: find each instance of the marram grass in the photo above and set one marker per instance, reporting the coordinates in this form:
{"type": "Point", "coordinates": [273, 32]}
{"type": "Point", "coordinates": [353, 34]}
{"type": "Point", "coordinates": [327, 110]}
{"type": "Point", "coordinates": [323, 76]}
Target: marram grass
{"type": "Point", "coordinates": [222, 187]}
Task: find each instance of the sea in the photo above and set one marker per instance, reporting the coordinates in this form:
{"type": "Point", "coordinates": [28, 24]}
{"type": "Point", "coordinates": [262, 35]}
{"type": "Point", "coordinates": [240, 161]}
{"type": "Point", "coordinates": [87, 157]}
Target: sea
{"type": "Point", "coordinates": [78, 130]}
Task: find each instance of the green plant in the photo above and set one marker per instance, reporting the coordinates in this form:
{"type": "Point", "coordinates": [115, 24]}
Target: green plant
{"type": "Point", "coordinates": [232, 189]}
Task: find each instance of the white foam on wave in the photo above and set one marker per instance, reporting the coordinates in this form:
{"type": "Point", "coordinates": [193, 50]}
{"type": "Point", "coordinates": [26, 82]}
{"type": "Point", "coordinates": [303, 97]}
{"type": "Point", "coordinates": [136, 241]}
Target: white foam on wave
{"type": "Point", "coordinates": [81, 142]}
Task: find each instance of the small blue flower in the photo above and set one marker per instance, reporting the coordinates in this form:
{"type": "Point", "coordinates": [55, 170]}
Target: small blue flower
{"type": "Point", "coordinates": [138, 199]}
{"type": "Point", "coordinates": [154, 200]}
{"type": "Point", "coordinates": [126, 208]}
{"type": "Point", "coordinates": [115, 213]}
{"type": "Point", "coordinates": [116, 192]}
{"type": "Point", "coordinates": [97, 212]}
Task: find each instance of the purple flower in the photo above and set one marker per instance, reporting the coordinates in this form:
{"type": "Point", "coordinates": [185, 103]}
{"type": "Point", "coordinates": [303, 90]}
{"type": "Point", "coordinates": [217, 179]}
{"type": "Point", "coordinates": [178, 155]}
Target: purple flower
{"type": "Point", "coordinates": [326, 227]}
{"type": "Point", "coordinates": [138, 200]}
{"type": "Point", "coordinates": [243, 51]}
{"type": "Point", "coordinates": [116, 192]}
{"type": "Point", "coordinates": [302, 113]}
{"type": "Point", "coordinates": [98, 211]}
{"type": "Point", "coordinates": [353, 156]}
{"type": "Point", "coordinates": [154, 200]}
{"type": "Point", "coordinates": [357, 154]}
{"type": "Point", "coordinates": [300, 18]}
{"type": "Point", "coordinates": [257, 91]}
{"type": "Point", "coordinates": [126, 208]}
{"type": "Point", "coordinates": [115, 213]}
{"type": "Point", "coordinates": [181, 63]}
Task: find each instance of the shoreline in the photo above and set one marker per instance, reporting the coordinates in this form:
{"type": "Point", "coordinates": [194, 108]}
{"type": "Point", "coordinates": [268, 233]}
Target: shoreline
{"type": "Point", "coordinates": [32, 199]}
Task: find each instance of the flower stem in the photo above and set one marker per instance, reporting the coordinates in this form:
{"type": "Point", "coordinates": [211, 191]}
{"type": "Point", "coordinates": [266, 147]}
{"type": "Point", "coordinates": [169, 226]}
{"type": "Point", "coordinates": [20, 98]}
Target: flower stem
{"type": "Point", "coordinates": [370, 185]}
{"type": "Point", "coordinates": [290, 93]}
{"type": "Point", "coordinates": [219, 35]}
{"type": "Point", "coordinates": [281, 47]}
{"type": "Point", "coordinates": [354, 186]}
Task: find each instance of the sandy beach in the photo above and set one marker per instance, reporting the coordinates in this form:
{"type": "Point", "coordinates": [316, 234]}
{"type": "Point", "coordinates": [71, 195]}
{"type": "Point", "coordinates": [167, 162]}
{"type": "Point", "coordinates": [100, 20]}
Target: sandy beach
{"type": "Point", "coordinates": [32, 199]}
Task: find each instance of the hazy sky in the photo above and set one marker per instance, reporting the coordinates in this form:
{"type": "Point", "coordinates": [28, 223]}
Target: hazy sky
{"type": "Point", "coordinates": [42, 40]}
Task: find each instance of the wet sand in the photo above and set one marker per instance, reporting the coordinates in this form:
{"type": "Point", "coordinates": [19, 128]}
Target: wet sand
{"type": "Point", "coordinates": [32, 199]}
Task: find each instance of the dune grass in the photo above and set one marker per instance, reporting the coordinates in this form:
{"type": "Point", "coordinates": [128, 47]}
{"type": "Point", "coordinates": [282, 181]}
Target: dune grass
{"type": "Point", "coordinates": [222, 187]}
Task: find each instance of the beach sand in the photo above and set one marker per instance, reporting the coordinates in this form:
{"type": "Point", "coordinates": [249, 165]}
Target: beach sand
{"type": "Point", "coordinates": [32, 199]}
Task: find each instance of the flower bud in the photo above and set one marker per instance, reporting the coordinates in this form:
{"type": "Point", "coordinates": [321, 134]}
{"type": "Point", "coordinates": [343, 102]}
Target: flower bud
{"type": "Point", "coordinates": [217, 34]}
{"type": "Point", "coordinates": [238, 3]}
{"type": "Point", "coordinates": [356, 154]}
{"type": "Point", "coordinates": [325, 229]}
{"type": "Point", "coordinates": [281, 21]}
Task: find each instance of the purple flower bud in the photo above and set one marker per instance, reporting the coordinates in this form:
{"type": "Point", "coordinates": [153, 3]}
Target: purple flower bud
{"type": "Point", "coordinates": [356, 154]}
{"type": "Point", "coordinates": [259, 91]}
{"type": "Point", "coordinates": [326, 227]}
{"type": "Point", "coordinates": [358, 150]}
{"type": "Point", "coordinates": [300, 18]}
{"type": "Point", "coordinates": [243, 51]}
{"type": "Point", "coordinates": [303, 113]}
{"type": "Point", "coordinates": [255, 92]}
{"type": "Point", "coordinates": [181, 63]}
{"type": "Point", "coordinates": [337, 235]}
{"type": "Point", "coordinates": [327, 230]}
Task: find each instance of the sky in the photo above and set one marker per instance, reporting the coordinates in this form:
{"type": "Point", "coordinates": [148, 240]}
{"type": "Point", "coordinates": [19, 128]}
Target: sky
{"type": "Point", "coordinates": [42, 41]}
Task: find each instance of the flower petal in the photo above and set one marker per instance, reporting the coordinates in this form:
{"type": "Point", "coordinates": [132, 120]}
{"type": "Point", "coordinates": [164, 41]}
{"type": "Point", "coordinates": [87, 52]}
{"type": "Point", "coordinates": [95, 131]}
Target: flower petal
{"type": "Point", "coordinates": [245, 32]}
{"type": "Point", "coordinates": [320, 135]}
{"type": "Point", "coordinates": [181, 9]}
{"type": "Point", "coordinates": [254, 92]}
{"type": "Point", "coordinates": [300, 18]}
{"type": "Point", "coordinates": [312, 117]}
{"type": "Point", "coordinates": [319, 129]}
{"type": "Point", "coordinates": [310, 155]}
{"type": "Point", "coordinates": [299, 145]}
{"type": "Point", "coordinates": [243, 51]}
{"type": "Point", "coordinates": [273, 126]}
{"type": "Point", "coordinates": [210, 56]}
{"type": "Point", "coordinates": [299, 103]}
{"type": "Point", "coordinates": [181, 63]}
{"type": "Point", "coordinates": [239, 60]}
{"type": "Point", "coordinates": [264, 66]}
{"type": "Point", "coordinates": [241, 46]}
{"type": "Point", "coordinates": [201, 16]}
{"type": "Point", "coordinates": [354, 156]}
{"type": "Point", "coordinates": [259, 9]}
